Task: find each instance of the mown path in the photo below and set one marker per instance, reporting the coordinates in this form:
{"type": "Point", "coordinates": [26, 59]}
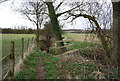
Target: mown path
{"type": "Point", "coordinates": [40, 69]}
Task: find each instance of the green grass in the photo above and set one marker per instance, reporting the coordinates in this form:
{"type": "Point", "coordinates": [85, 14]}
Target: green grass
{"type": "Point", "coordinates": [84, 45]}
{"type": "Point", "coordinates": [85, 71]}
{"type": "Point", "coordinates": [50, 65]}
{"type": "Point", "coordinates": [81, 71]}
{"type": "Point", "coordinates": [54, 71]}
{"type": "Point", "coordinates": [7, 38]}
{"type": "Point", "coordinates": [77, 45]}
{"type": "Point", "coordinates": [30, 66]}
{"type": "Point", "coordinates": [51, 68]}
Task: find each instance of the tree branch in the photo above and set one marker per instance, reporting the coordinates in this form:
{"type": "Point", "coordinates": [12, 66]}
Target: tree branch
{"type": "Point", "coordinates": [30, 18]}
{"type": "Point", "coordinates": [59, 14]}
{"type": "Point", "coordinates": [3, 1]}
{"type": "Point", "coordinates": [58, 6]}
{"type": "Point", "coordinates": [99, 31]}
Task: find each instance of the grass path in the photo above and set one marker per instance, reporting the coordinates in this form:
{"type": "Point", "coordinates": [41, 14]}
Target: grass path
{"type": "Point", "coordinates": [40, 69]}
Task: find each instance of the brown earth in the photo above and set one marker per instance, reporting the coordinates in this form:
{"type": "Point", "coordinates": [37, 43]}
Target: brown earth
{"type": "Point", "coordinates": [40, 69]}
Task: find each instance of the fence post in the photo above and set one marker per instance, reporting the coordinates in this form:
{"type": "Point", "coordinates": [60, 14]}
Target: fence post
{"type": "Point", "coordinates": [32, 39]}
{"type": "Point", "coordinates": [12, 57]}
{"type": "Point", "coordinates": [73, 43]}
{"type": "Point", "coordinates": [56, 49]}
{"type": "Point", "coordinates": [28, 44]}
{"type": "Point", "coordinates": [22, 48]}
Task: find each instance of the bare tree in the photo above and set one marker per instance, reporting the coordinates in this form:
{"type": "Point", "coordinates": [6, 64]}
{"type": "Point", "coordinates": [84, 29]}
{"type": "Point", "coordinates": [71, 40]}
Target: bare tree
{"type": "Point", "coordinates": [99, 15]}
{"type": "Point", "coordinates": [85, 9]}
{"type": "Point", "coordinates": [1, 1]}
{"type": "Point", "coordinates": [35, 12]}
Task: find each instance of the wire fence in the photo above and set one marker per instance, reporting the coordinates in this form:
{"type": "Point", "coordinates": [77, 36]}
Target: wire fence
{"type": "Point", "coordinates": [10, 61]}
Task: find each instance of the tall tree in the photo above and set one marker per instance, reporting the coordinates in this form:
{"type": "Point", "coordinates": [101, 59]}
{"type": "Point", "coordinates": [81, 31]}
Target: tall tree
{"type": "Point", "coordinates": [55, 25]}
{"type": "Point", "coordinates": [54, 22]}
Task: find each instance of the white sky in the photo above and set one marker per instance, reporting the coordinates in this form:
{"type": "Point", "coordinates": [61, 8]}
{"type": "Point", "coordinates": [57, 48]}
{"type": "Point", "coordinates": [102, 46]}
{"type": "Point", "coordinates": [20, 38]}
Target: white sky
{"type": "Point", "coordinates": [10, 18]}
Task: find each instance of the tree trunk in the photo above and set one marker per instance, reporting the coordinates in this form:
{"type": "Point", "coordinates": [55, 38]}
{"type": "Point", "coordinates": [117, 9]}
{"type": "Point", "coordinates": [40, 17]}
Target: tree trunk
{"type": "Point", "coordinates": [37, 35]}
{"type": "Point", "coordinates": [37, 24]}
{"type": "Point", "coordinates": [116, 30]}
{"type": "Point", "coordinates": [100, 33]}
{"type": "Point", "coordinates": [54, 22]}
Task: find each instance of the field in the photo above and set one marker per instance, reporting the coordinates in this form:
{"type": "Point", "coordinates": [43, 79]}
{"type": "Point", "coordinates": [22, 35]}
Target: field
{"type": "Point", "coordinates": [81, 37]}
{"type": "Point", "coordinates": [85, 60]}
{"type": "Point", "coordinates": [7, 38]}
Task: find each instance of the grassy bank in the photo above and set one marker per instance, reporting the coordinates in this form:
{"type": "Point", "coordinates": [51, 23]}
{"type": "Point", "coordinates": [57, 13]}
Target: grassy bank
{"type": "Point", "coordinates": [57, 69]}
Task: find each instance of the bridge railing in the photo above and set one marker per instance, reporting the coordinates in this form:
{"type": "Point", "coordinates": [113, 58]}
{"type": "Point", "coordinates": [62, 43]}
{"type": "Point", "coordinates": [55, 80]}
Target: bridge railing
{"type": "Point", "coordinates": [68, 45]}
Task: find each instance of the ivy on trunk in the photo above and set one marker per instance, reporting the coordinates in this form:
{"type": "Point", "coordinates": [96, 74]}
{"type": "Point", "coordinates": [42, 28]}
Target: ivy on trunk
{"type": "Point", "coordinates": [55, 24]}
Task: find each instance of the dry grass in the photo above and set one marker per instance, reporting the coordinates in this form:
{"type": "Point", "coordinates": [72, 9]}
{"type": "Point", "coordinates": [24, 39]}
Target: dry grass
{"type": "Point", "coordinates": [82, 37]}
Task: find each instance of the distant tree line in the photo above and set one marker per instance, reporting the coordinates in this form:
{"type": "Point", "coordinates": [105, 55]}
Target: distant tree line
{"type": "Point", "coordinates": [33, 31]}
{"type": "Point", "coordinates": [18, 31]}
{"type": "Point", "coordinates": [84, 31]}
{"type": "Point", "coordinates": [77, 31]}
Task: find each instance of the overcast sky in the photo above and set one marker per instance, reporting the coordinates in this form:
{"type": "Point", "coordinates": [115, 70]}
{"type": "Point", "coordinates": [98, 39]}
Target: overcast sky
{"type": "Point", "coordinates": [10, 19]}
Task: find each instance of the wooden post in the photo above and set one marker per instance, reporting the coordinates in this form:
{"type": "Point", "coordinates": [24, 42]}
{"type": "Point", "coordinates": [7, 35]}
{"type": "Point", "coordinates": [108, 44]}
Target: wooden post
{"type": "Point", "coordinates": [12, 57]}
{"type": "Point", "coordinates": [32, 39]}
{"type": "Point", "coordinates": [55, 47]}
{"type": "Point", "coordinates": [22, 48]}
{"type": "Point", "coordinates": [73, 43]}
{"type": "Point", "coordinates": [28, 44]}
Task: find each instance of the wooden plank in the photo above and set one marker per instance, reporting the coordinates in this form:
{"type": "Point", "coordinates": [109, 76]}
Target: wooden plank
{"type": "Point", "coordinates": [59, 41]}
{"type": "Point", "coordinates": [28, 43]}
{"type": "Point", "coordinates": [6, 57]}
{"type": "Point", "coordinates": [64, 46]}
{"type": "Point", "coordinates": [7, 75]}
{"type": "Point", "coordinates": [32, 39]}
{"type": "Point", "coordinates": [64, 40]}
{"type": "Point", "coordinates": [6, 69]}
{"type": "Point", "coordinates": [4, 63]}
